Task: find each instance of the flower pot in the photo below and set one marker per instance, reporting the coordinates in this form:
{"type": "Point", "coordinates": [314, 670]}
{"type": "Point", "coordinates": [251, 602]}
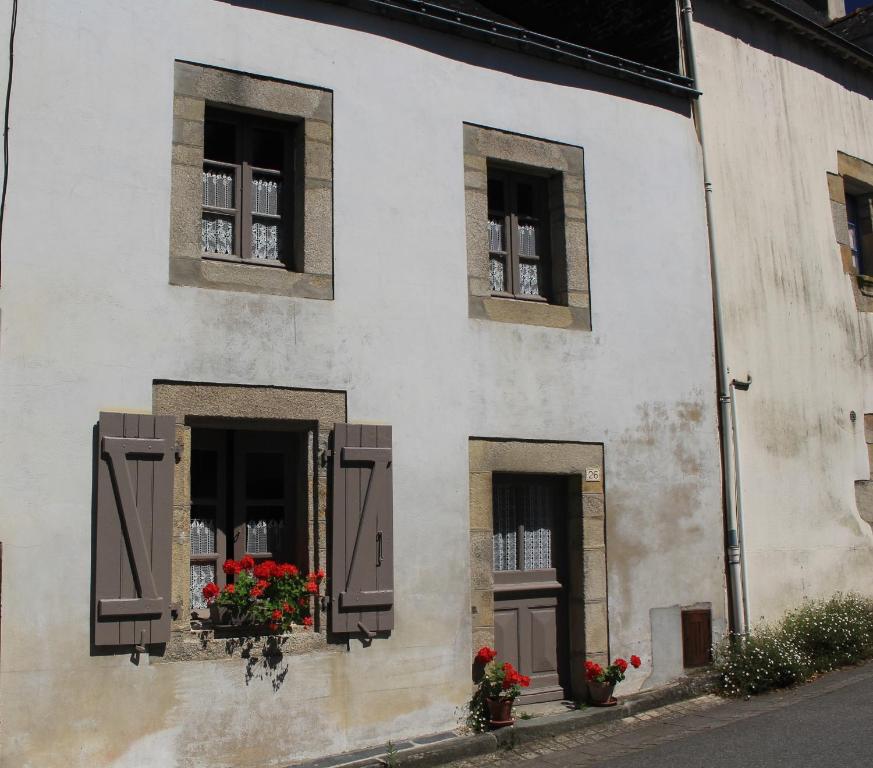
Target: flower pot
{"type": "Point", "coordinates": [499, 712]}
{"type": "Point", "coordinates": [600, 694]}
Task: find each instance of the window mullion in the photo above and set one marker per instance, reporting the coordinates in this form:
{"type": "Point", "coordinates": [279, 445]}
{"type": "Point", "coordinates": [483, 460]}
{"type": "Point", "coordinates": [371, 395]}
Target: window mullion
{"type": "Point", "coordinates": [513, 267]}
{"type": "Point", "coordinates": [245, 211]}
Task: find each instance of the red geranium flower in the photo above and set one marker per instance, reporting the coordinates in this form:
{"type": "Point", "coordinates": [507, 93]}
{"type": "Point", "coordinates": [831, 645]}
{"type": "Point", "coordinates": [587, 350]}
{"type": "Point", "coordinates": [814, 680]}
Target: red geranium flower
{"type": "Point", "coordinates": [285, 570]}
{"type": "Point", "coordinates": [231, 567]}
{"type": "Point", "coordinates": [247, 563]}
{"type": "Point", "coordinates": [311, 587]}
{"type": "Point", "coordinates": [256, 591]}
{"type": "Point", "coordinates": [287, 608]}
{"type": "Point", "coordinates": [621, 664]}
{"type": "Point", "coordinates": [485, 655]}
{"type": "Point", "coordinates": [635, 662]}
{"type": "Point", "coordinates": [230, 589]}
{"type": "Point", "coordinates": [265, 570]}
{"type": "Point", "coordinates": [593, 670]}
{"type": "Point", "coordinates": [210, 591]}
{"type": "Point", "coordinates": [303, 602]}
{"type": "Point", "coordinates": [277, 614]}
{"type": "Point", "coordinates": [320, 574]}
{"type": "Point", "coordinates": [307, 621]}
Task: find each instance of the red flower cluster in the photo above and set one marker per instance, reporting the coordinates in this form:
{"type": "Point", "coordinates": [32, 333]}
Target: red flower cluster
{"type": "Point", "coordinates": [485, 655]}
{"type": "Point", "coordinates": [247, 563]}
{"type": "Point", "coordinates": [210, 591]}
{"type": "Point", "coordinates": [593, 670]}
{"type": "Point", "coordinates": [231, 567]}
{"type": "Point", "coordinates": [307, 621]}
{"type": "Point", "coordinates": [621, 664]}
{"type": "Point", "coordinates": [512, 677]}
{"type": "Point", "coordinates": [635, 662]}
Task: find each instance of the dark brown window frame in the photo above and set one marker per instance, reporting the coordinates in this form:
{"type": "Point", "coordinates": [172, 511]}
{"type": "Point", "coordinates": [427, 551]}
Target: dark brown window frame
{"type": "Point", "coordinates": [244, 172]}
{"type": "Point", "coordinates": [512, 256]}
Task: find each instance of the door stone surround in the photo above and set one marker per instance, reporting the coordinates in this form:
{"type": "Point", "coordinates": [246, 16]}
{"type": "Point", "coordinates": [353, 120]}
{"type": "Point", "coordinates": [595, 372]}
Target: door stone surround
{"type": "Point", "coordinates": [586, 539]}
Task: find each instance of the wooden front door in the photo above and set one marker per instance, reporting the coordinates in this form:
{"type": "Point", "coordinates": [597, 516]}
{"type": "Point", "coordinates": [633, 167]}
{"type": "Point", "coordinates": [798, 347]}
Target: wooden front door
{"type": "Point", "coordinates": [530, 606]}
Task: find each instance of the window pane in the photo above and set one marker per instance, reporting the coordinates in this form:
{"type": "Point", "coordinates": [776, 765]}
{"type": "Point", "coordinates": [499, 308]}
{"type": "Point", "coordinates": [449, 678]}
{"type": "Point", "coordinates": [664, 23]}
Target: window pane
{"type": "Point", "coordinates": [529, 279]}
{"type": "Point", "coordinates": [267, 150]}
{"type": "Point", "coordinates": [264, 535]}
{"type": "Point", "coordinates": [216, 234]}
{"type": "Point", "coordinates": [496, 195]}
{"type": "Point", "coordinates": [265, 195]}
{"type": "Point", "coordinates": [537, 502]}
{"type": "Point", "coordinates": [504, 540]}
{"type": "Point", "coordinates": [496, 241]}
{"type": "Point", "coordinates": [219, 141]}
{"type": "Point", "coordinates": [527, 240]}
{"type": "Point", "coordinates": [497, 275]}
{"type": "Point", "coordinates": [218, 189]}
{"type": "Point", "coordinates": [265, 476]}
{"type": "Point", "coordinates": [204, 474]}
{"type": "Point", "coordinates": [201, 575]}
{"type": "Point", "coordinates": [265, 241]}
{"type": "Point", "coordinates": [524, 193]}
{"type": "Point", "coordinates": [202, 534]}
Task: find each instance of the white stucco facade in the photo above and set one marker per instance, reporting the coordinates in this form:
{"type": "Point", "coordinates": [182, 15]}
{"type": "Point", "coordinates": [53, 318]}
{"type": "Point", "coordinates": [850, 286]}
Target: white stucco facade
{"type": "Point", "coordinates": [777, 111]}
{"type": "Point", "coordinates": [88, 320]}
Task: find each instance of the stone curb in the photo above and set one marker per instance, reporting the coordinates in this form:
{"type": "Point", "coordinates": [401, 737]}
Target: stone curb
{"type": "Point", "coordinates": [524, 731]}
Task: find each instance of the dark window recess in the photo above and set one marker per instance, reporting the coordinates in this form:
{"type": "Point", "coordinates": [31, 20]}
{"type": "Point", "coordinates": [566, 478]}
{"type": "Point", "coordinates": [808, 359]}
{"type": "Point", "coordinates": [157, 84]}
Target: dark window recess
{"type": "Point", "coordinates": [247, 183]}
{"type": "Point", "coordinates": [246, 499]}
{"type": "Point", "coordinates": [696, 638]}
{"type": "Point", "coordinates": [518, 235]}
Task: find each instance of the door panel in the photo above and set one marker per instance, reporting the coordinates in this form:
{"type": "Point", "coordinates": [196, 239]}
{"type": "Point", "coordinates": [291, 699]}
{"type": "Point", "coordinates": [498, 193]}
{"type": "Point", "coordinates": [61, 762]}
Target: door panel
{"type": "Point", "coordinates": [543, 640]}
{"type": "Point", "coordinates": [506, 634]}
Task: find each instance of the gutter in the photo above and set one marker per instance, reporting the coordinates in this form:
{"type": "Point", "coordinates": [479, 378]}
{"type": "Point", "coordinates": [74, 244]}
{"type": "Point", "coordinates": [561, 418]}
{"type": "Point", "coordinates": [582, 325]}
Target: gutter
{"type": "Point", "coordinates": [435, 16]}
{"type": "Point", "coordinates": [810, 30]}
{"type": "Point", "coordinates": [733, 549]}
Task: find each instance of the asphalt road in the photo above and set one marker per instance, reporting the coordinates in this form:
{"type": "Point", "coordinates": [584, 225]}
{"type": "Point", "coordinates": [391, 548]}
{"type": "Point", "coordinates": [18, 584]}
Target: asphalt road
{"type": "Point", "coordinates": [834, 728]}
{"type": "Point", "coordinates": [828, 722]}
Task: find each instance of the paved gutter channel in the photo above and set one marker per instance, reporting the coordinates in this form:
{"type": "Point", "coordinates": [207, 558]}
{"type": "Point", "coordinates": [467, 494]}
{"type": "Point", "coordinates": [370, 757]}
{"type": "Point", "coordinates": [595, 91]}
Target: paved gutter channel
{"type": "Point", "coordinates": [428, 752]}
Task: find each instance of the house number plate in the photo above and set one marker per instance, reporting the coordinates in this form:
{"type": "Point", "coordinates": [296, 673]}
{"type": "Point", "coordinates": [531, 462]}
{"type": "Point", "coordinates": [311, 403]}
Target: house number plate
{"type": "Point", "coordinates": [592, 474]}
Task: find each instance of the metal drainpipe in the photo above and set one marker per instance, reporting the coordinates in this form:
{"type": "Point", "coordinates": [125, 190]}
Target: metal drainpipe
{"type": "Point", "coordinates": [743, 386]}
{"type": "Point", "coordinates": [734, 553]}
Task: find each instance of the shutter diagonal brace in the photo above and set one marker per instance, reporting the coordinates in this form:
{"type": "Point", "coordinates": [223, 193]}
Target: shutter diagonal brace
{"type": "Point", "coordinates": [116, 451]}
{"type": "Point", "coordinates": [380, 458]}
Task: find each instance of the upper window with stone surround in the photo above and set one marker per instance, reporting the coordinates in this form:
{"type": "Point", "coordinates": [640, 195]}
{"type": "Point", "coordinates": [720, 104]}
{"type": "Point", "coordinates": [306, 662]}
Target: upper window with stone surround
{"type": "Point", "coordinates": [252, 185]}
{"type": "Point", "coordinates": [527, 255]}
{"type": "Point", "coordinates": [851, 194]}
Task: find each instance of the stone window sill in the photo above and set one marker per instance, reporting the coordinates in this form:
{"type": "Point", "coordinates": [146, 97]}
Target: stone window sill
{"type": "Point", "coordinates": [205, 644]}
{"type": "Point", "coordinates": [508, 310]}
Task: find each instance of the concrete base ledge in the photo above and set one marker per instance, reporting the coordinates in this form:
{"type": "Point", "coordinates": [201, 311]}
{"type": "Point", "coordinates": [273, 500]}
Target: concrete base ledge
{"type": "Point", "coordinates": [463, 747]}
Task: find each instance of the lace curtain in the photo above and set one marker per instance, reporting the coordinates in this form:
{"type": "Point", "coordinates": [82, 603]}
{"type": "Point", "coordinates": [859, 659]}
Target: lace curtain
{"type": "Point", "coordinates": [201, 575]}
{"type": "Point", "coordinates": [264, 535]}
{"type": "Point", "coordinates": [529, 505]}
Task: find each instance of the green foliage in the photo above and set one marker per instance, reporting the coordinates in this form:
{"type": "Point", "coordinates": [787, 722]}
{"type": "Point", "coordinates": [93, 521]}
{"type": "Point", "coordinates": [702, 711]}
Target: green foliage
{"type": "Point", "coordinates": [816, 637]}
{"type": "Point", "coordinates": [834, 632]}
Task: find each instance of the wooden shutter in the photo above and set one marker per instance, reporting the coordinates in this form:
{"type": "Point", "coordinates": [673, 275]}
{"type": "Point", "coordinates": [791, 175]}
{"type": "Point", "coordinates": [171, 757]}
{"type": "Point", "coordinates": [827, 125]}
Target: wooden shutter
{"type": "Point", "coordinates": [696, 637]}
{"type": "Point", "coordinates": [362, 567]}
{"type": "Point", "coordinates": [133, 529]}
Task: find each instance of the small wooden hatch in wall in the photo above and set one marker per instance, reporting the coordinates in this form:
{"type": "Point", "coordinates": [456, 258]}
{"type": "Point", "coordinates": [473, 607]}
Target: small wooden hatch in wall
{"type": "Point", "coordinates": [696, 637]}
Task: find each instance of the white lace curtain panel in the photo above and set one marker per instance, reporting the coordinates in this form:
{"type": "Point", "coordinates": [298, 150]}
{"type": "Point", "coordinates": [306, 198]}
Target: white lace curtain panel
{"type": "Point", "coordinates": [531, 506]}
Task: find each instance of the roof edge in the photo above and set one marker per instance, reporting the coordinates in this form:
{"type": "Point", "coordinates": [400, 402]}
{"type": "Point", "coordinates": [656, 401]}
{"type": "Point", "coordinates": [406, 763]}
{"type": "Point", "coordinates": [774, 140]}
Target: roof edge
{"type": "Point", "coordinates": [438, 17]}
{"type": "Point", "coordinates": [810, 30]}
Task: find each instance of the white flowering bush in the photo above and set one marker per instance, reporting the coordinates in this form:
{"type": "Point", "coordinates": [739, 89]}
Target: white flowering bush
{"type": "Point", "coordinates": [832, 632]}
{"type": "Point", "coordinates": [762, 661]}
{"type": "Point", "coordinates": [816, 637]}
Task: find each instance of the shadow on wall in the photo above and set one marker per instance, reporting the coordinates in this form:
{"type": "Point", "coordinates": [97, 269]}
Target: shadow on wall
{"type": "Point", "coordinates": [469, 52]}
{"type": "Point", "coordinates": [771, 37]}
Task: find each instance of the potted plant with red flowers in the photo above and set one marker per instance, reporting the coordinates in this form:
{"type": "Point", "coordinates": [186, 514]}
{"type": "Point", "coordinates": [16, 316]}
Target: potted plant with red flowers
{"type": "Point", "coordinates": [602, 682]}
{"type": "Point", "coordinates": [499, 686]}
{"type": "Point", "coordinates": [266, 596]}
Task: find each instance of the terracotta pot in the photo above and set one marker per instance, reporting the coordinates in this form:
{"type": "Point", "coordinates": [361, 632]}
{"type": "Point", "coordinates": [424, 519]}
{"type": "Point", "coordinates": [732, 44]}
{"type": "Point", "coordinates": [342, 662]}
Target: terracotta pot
{"type": "Point", "coordinates": [600, 694]}
{"type": "Point", "coordinates": [499, 712]}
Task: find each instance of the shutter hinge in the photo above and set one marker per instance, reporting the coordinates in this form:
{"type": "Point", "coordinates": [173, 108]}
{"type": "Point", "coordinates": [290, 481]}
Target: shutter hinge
{"type": "Point", "coordinates": [175, 608]}
{"type": "Point", "coordinates": [177, 450]}
{"type": "Point", "coordinates": [326, 454]}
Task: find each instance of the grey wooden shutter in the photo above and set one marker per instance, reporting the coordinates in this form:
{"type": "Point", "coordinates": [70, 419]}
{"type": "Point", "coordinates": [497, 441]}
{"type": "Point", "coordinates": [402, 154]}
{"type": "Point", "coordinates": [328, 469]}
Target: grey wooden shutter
{"type": "Point", "coordinates": [362, 567]}
{"type": "Point", "coordinates": [134, 520]}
